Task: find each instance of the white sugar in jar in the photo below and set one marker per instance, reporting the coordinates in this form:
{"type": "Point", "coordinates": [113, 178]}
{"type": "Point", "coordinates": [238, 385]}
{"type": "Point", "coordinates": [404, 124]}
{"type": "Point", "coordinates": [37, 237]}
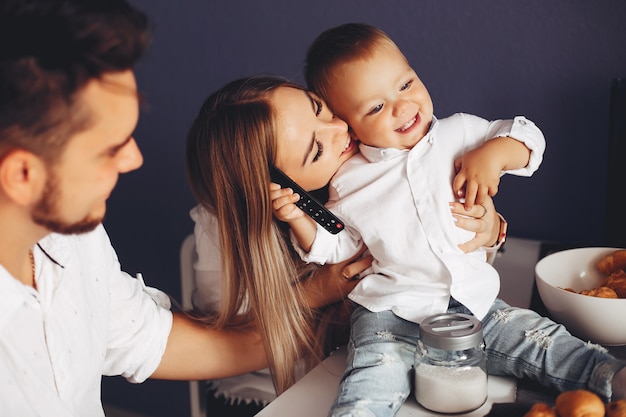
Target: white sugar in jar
{"type": "Point", "coordinates": [451, 365]}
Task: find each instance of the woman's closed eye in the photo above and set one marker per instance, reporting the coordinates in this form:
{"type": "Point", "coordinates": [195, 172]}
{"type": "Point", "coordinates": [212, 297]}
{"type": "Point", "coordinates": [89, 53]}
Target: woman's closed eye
{"type": "Point", "coordinates": [316, 103]}
{"type": "Point", "coordinates": [320, 150]}
{"type": "Point", "coordinates": [319, 106]}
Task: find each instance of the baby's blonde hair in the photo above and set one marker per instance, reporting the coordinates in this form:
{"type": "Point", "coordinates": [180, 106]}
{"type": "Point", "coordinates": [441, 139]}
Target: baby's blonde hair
{"type": "Point", "coordinates": [337, 47]}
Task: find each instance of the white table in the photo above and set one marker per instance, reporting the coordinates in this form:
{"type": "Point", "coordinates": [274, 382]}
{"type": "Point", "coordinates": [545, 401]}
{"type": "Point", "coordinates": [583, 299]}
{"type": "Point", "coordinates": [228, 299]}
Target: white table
{"type": "Point", "coordinates": [313, 395]}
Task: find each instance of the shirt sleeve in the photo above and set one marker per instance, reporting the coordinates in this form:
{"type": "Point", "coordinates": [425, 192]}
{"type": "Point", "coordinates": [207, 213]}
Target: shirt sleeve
{"type": "Point", "coordinates": [328, 247]}
{"type": "Point", "coordinates": [207, 294]}
{"type": "Point", "coordinates": [525, 131]}
{"type": "Point", "coordinates": [140, 322]}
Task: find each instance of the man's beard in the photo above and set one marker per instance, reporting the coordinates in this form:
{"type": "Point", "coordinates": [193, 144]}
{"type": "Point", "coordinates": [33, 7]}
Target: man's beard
{"type": "Point", "coordinates": [46, 214]}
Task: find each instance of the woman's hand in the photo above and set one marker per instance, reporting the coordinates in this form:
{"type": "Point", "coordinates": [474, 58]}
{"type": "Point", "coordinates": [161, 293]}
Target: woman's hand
{"type": "Point", "coordinates": [481, 219]}
{"type": "Point", "coordinates": [332, 283]}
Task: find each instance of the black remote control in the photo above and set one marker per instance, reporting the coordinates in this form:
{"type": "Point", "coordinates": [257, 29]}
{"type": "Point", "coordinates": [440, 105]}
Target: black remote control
{"type": "Point", "coordinates": [308, 203]}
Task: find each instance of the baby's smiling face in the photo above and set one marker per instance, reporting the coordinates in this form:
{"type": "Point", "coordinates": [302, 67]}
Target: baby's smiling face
{"type": "Point", "coordinates": [382, 99]}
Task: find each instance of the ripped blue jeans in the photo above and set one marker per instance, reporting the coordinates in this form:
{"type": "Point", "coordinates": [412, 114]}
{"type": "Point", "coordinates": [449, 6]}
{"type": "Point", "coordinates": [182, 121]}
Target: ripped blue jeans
{"type": "Point", "coordinates": [519, 342]}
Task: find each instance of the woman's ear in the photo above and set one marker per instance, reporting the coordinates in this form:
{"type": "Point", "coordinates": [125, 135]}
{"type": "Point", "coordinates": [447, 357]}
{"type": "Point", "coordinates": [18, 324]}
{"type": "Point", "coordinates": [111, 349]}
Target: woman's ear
{"type": "Point", "coordinates": [22, 176]}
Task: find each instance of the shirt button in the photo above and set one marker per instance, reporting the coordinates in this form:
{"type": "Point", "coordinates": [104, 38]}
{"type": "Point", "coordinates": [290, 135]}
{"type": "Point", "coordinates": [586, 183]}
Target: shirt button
{"type": "Point", "coordinates": [522, 122]}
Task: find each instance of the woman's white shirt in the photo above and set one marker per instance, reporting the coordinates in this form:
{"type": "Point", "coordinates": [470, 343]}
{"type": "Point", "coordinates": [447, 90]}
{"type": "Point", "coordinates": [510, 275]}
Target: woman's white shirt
{"type": "Point", "coordinates": [207, 295]}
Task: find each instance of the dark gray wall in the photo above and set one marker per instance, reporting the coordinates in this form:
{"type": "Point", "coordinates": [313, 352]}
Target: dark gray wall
{"type": "Point", "coordinates": [551, 60]}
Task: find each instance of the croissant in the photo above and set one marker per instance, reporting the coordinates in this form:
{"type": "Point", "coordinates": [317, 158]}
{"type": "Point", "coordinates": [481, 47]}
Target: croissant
{"type": "Point", "coordinates": [616, 408]}
{"type": "Point", "coordinates": [601, 292]}
{"type": "Point", "coordinates": [612, 262]}
{"type": "Point", "coordinates": [617, 282]}
{"type": "Point", "coordinates": [541, 410]}
{"type": "Point", "coordinates": [579, 403]}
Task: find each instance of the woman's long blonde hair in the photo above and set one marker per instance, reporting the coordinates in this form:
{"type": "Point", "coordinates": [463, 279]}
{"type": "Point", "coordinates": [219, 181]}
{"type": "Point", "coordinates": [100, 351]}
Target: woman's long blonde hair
{"type": "Point", "coordinates": [230, 147]}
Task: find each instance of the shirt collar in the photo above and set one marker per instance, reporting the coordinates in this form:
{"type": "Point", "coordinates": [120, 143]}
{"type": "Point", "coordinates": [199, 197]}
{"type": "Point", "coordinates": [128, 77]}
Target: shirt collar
{"type": "Point", "coordinates": [13, 294]}
{"type": "Point", "coordinates": [374, 154]}
{"type": "Point", "coordinates": [56, 248]}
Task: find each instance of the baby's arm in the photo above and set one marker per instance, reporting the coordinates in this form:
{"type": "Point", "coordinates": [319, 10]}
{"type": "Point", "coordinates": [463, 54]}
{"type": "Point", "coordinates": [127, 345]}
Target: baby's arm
{"type": "Point", "coordinates": [302, 226]}
{"type": "Point", "coordinates": [477, 174]}
{"type": "Point", "coordinates": [479, 170]}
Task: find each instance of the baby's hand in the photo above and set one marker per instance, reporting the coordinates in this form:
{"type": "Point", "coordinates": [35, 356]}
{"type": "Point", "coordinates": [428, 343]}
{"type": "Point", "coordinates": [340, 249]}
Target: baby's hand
{"type": "Point", "coordinates": [478, 176]}
{"type": "Point", "coordinates": [283, 203]}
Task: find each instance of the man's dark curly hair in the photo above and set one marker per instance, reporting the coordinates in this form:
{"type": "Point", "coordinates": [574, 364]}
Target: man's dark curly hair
{"type": "Point", "coordinates": [49, 50]}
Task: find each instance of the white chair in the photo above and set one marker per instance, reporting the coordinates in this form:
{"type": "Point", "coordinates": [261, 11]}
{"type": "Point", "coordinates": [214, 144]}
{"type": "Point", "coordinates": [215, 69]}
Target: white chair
{"type": "Point", "coordinates": [197, 389]}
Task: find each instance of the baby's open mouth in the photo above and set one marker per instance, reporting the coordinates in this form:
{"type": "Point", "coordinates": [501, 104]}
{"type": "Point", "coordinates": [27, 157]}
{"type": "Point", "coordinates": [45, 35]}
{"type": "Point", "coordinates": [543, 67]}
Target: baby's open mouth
{"type": "Point", "coordinates": [408, 124]}
{"type": "Point", "coordinates": [350, 143]}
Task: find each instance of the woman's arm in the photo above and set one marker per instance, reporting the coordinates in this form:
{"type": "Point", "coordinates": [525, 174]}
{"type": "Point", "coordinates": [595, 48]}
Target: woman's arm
{"type": "Point", "coordinates": [207, 292]}
{"type": "Point", "coordinates": [333, 282]}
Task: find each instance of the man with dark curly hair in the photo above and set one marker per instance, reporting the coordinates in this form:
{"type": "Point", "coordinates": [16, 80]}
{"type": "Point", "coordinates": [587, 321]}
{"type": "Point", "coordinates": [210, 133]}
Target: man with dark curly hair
{"type": "Point", "coordinates": [68, 313]}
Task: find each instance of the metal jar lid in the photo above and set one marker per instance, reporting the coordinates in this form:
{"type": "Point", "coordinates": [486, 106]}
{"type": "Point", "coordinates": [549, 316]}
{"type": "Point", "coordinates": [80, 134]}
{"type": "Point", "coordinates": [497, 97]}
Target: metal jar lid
{"type": "Point", "coordinates": [451, 331]}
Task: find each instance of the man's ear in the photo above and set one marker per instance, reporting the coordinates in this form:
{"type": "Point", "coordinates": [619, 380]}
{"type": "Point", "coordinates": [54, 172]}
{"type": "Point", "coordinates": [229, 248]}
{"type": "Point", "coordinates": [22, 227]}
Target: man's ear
{"type": "Point", "coordinates": [22, 175]}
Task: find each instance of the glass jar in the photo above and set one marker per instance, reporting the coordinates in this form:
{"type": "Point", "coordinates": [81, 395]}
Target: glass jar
{"type": "Point", "coordinates": [451, 364]}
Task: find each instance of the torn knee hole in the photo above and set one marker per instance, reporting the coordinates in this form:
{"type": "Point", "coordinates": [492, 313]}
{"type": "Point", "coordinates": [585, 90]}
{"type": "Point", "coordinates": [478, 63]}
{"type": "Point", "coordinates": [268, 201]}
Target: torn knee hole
{"type": "Point", "coordinates": [542, 339]}
{"type": "Point", "coordinates": [386, 335]}
{"type": "Point", "coordinates": [502, 315]}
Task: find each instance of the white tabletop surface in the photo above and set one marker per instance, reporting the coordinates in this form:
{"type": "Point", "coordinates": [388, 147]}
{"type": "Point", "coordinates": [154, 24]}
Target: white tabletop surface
{"type": "Point", "coordinates": [313, 395]}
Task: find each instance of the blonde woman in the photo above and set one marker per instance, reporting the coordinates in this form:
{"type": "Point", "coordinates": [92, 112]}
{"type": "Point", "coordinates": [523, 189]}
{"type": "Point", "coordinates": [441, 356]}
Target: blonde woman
{"type": "Point", "coordinates": [240, 131]}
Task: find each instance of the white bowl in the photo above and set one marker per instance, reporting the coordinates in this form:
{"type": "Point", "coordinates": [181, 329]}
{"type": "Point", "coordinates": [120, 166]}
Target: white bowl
{"type": "Point", "coordinates": [600, 320]}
